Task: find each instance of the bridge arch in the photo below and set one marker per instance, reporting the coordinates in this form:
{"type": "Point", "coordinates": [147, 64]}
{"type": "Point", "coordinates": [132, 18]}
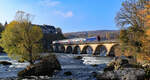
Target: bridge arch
{"type": "Point", "coordinates": [61, 49]}
{"type": "Point", "coordinates": [76, 50]}
{"type": "Point", "coordinates": [69, 49]}
{"type": "Point", "coordinates": [115, 50]}
{"type": "Point", "coordinates": [87, 50]}
{"type": "Point", "coordinates": [101, 50]}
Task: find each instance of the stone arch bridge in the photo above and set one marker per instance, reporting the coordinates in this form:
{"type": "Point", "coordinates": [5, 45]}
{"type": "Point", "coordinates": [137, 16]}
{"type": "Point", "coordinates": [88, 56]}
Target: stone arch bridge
{"type": "Point", "coordinates": [101, 48]}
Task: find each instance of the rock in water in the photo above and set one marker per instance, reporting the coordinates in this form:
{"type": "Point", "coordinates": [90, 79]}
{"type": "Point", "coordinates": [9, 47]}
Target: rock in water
{"type": "Point", "coordinates": [45, 67]}
{"type": "Point", "coordinates": [5, 63]}
{"type": "Point", "coordinates": [68, 73]}
{"type": "Point", "coordinates": [78, 57]}
{"type": "Point", "coordinates": [120, 69]}
{"type": "Point", "coordinates": [124, 74]}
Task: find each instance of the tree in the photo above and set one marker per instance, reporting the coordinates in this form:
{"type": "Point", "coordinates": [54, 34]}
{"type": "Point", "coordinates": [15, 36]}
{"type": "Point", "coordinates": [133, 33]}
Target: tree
{"type": "Point", "coordinates": [21, 40]}
{"type": "Point", "coordinates": [5, 24]}
{"type": "Point", "coordinates": [134, 20]}
{"type": "Point", "coordinates": [108, 36]}
{"type": "Point", "coordinates": [1, 27]}
{"type": "Point", "coordinates": [124, 42]}
{"type": "Point", "coordinates": [59, 34]}
{"type": "Point", "coordinates": [127, 18]}
{"type": "Point", "coordinates": [144, 14]}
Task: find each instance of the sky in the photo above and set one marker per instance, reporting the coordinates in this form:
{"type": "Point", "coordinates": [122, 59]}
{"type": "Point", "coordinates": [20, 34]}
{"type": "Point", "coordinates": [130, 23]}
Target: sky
{"type": "Point", "coordinates": [69, 15]}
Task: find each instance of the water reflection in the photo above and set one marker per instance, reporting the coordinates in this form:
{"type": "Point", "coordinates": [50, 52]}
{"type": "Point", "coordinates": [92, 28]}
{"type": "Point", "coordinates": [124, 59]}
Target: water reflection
{"type": "Point", "coordinates": [89, 50]}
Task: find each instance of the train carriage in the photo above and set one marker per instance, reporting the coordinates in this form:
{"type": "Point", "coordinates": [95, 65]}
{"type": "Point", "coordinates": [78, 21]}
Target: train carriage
{"type": "Point", "coordinates": [77, 40]}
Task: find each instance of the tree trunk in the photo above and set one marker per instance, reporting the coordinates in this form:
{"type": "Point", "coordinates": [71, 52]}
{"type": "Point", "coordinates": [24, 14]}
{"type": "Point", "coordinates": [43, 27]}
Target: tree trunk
{"type": "Point", "coordinates": [30, 57]}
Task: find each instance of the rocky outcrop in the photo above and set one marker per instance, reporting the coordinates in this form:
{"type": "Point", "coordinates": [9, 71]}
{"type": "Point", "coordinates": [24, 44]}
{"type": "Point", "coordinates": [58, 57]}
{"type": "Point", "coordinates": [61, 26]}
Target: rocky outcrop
{"type": "Point", "coordinates": [123, 74]}
{"type": "Point", "coordinates": [5, 63]}
{"type": "Point", "coordinates": [146, 67]}
{"type": "Point", "coordinates": [47, 66]}
{"type": "Point", "coordinates": [121, 69]}
{"type": "Point", "coordinates": [117, 64]}
{"type": "Point", "coordinates": [68, 73]}
{"type": "Point", "coordinates": [121, 62]}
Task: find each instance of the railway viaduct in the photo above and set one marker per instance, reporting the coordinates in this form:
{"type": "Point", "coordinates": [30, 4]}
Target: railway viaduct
{"type": "Point", "coordinates": [99, 48]}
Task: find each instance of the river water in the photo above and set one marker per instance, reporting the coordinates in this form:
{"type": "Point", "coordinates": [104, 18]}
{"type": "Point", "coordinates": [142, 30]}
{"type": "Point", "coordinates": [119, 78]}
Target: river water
{"type": "Point", "coordinates": [81, 69]}
{"type": "Point", "coordinates": [12, 70]}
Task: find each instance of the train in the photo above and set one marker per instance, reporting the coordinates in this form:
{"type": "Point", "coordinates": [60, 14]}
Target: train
{"type": "Point", "coordinates": [77, 40]}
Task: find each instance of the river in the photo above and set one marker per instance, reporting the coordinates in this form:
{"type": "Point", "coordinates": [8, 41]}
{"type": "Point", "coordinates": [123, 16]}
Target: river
{"type": "Point", "coordinates": [81, 69]}
{"type": "Point", "coordinates": [12, 70]}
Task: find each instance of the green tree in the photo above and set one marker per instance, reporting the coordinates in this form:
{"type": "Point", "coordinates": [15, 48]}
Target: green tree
{"type": "Point", "coordinates": [59, 34]}
{"type": "Point", "coordinates": [1, 27]}
{"type": "Point", "coordinates": [21, 40]}
{"type": "Point", "coordinates": [5, 24]}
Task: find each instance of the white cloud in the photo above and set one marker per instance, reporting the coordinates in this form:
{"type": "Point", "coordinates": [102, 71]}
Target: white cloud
{"type": "Point", "coordinates": [64, 14]}
{"type": "Point", "coordinates": [50, 3]}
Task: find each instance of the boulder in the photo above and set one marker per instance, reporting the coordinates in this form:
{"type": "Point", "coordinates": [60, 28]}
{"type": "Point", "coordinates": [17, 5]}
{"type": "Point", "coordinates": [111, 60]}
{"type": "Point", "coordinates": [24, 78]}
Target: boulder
{"type": "Point", "coordinates": [123, 74]}
{"type": "Point", "coordinates": [46, 67]}
{"type": "Point", "coordinates": [110, 66]}
{"type": "Point", "coordinates": [122, 61]}
{"type": "Point", "coordinates": [107, 76]}
{"type": "Point", "coordinates": [5, 63]}
{"type": "Point", "coordinates": [146, 67]}
{"type": "Point", "coordinates": [119, 63]}
{"type": "Point", "coordinates": [78, 57]}
{"type": "Point", "coordinates": [94, 65]}
{"type": "Point", "coordinates": [129, 77]}
{"type": "Point", "coordinates": [94, 74]}
{"type": "Point", "coordinates": [122, 69]}
{"type": "Point", "coordinates": [68, 73]}
{"type": "Point", "coordinates": [21, 61]}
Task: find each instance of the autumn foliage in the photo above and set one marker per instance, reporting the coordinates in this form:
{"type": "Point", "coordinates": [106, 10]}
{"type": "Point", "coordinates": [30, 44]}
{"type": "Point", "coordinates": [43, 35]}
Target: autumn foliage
{"type": "Point", "coordinates": [144, 15]}
{"type": "Point", "coordinates": [134, 19]}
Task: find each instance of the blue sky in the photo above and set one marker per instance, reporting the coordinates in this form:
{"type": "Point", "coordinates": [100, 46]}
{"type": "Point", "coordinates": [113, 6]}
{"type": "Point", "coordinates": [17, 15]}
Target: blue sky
{"type": "Point", "coordinates": [69, 15]}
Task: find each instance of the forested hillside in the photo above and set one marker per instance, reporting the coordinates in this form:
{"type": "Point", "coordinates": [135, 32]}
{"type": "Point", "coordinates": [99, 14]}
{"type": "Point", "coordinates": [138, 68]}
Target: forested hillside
{"type": "Point", "coordinates": [104, 34]}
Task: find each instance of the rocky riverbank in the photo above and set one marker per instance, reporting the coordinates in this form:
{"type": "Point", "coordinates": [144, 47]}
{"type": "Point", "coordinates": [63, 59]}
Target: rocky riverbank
{"type": "Point", "coordinates": [123, 69]}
